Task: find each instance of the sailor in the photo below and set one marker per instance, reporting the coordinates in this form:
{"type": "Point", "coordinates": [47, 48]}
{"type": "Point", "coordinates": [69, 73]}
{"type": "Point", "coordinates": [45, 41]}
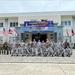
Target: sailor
{"type": "Point", "coordinates": [29, 51]}
{"type": "Point", "coordinates": [61, 51]}
{"type": "Point", "coordinates": [42, 44]}
{"type": "Point", "coordinates": [34, 50]}
{"type": "Point", "coordinates": [56, 51]}
{"type": "Point", "coordinates": [22, 43]}
{"type": "Point", "coordinates": [50, 51]}
{"type": "Point", "coordinates": [38, 43]}
{"type": "Point", "coordinates": [39, 49]}
{"type": "Point", "coordinates": [44, 51]}
{"type": "Point", "coordinates": [26, 44]}
{"type": "Point", "coordinates": [34, 42]}
{"type": "Point", "coordinates": [68, 51]}
{"type": "Point", "coordinates": [13, 51]}
{"type": "Point", "coordinates": [71, 44]}
{"type": "Point", "coordinates": [19, 50]}
{"type": "Point", "coordinates": [24, 53]}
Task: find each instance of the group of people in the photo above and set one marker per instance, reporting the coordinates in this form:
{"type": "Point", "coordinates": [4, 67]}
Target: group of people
{"type": "Point", "coordinates": [48, 48]}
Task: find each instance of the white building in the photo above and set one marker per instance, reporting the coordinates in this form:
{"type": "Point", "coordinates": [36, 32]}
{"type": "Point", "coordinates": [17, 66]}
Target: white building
{"type": "Point", "coordinates": [64, 18]}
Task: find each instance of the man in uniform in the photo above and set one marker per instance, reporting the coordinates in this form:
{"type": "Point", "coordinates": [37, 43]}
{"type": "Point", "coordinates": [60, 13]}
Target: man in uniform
{"type": "Point", "coordinates": [44, 51]}
{"type": "Point", "coordinates": [66, 43]}
{"type": "Point", "coordinates": [29, 51]}
{"type": "Point", "coordinates": [68, 51]}
{"type": "Point", "coordinates": [24, 49]}
{"type": "Point", "coordinates": [39, 50]}
{"type": "Point", "coordinates": [38, 43]}
{"type": "Point", "coordinates": [34, 42]}
{"type": "Point", "coordinates": [50, 51]}
{"type": "Point", "coordinates": [56, 51]}
{"type": "Point", "coordinates": [13, 51]}
{"type": "Point", "coordinates": [42, 44]}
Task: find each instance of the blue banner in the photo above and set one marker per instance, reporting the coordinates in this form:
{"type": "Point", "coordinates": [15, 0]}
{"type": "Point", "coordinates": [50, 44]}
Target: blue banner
{"type": "Point", "coordinates": [38, 26]}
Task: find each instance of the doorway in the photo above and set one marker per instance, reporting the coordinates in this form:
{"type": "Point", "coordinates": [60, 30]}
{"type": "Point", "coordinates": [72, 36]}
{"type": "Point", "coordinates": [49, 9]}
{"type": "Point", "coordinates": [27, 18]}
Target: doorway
{"type": "Point", "coordinates": [39, 37]}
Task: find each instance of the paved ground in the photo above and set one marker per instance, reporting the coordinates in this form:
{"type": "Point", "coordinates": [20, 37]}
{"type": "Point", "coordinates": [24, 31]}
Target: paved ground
{"type": "Point", "coordinates": [36, 69]}
{"type": "Point", "coordinates": [37, 65]}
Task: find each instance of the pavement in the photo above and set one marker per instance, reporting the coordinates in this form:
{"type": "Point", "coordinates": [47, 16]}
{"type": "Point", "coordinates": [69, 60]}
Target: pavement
{"type": "Point", "coordinates": [37, 65]}
{"type": "Point", "coordinates": [36, 69]}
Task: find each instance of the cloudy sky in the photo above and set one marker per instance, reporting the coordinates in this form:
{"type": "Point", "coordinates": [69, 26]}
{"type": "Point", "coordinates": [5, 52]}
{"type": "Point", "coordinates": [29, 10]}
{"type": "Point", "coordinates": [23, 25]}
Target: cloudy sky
{"type": "Point", "coordinates": [17, 6]}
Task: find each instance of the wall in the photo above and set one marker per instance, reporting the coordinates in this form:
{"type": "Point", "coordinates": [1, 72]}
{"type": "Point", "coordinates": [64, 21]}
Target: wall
{"type": "Point", "coordinates": [59, 30]}
{"type": "Point", "coordinates": [56, 19]}
{"type": "Point", "coordinates": [20, 30]}
{"type": "Point", "coordinates": [67, 18]}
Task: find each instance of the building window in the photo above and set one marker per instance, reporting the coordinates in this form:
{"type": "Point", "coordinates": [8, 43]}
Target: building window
{"type": "Point", "coordinates": [69, 23]}
{"type": "Point", "coordinates": [44, 20]}
{"type": "Point", "coordinates": [1, 24]}
{"type": "Point", "coordinates": [16, 24]}
{"type": "Point", "coordinates": [62, 23]}
{"type": "Point", "coordinates": [1, 38]}
{"type": "Point", "coordinates": [10, 24]}
{"type": "Point", "coordinates": [13, 24]}
{"type": "Point", "coordinates": [51, 34]}
{"type": "Point", "coordinates": [65, 22]}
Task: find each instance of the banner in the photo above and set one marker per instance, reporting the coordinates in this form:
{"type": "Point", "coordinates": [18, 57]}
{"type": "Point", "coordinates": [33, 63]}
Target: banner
{"type": "Point", "coordinates": [38, 26]}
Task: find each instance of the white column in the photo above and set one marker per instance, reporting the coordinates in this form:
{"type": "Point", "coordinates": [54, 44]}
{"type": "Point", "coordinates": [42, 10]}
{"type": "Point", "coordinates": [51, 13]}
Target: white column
{"type": "Point", "coordinates": [6, 28]}
{"type": "Point", "coordinates": [73, 25]}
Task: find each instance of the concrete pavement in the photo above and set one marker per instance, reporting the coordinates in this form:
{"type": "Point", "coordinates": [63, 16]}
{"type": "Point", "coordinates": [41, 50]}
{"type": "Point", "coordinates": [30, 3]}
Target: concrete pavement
{"type": "Point", "coordinates": [37, 65]}
{"type": "Point", "coordinates": [36, 69]}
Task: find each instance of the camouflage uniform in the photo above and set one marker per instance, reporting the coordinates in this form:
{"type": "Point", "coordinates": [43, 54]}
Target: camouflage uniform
{"type": "Point", "coordinates": [29, 51]}
{"type": "Point", "coordinates": [68, 51]}
{"type": "Point", "coordinates": [50, 51]}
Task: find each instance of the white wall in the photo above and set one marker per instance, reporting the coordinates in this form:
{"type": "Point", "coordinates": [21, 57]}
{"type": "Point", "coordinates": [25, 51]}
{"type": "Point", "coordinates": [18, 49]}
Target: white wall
{"type": "Point", "coordinates": [12, 19]}
{"type": "Point", "coordinates": [6, 26]}
{"type": "Point", "coordinates": [56, 19]}
{"type": "Point", "coordinates": [67, 18]}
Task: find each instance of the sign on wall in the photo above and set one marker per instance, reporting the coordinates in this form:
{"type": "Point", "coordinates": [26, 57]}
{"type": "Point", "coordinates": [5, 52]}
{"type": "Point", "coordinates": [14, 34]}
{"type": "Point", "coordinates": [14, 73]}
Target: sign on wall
{"type": "Point", "coordinates": [35, 26]}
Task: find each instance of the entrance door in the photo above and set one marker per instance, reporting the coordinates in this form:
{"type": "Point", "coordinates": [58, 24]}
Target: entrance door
{"type": "Point", "coordinates": [39, 37]}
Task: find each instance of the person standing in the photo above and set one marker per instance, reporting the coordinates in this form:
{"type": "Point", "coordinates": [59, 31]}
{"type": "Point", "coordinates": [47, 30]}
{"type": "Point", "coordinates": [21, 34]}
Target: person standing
{"type": "Point", "coordinates": [71, 44]}
{"type": "Point", "coordinates": [34, 42]}
{"type": "Point", "coordinates": [38, 43]}
{"type": "Point", "coordinates": [66, 43]}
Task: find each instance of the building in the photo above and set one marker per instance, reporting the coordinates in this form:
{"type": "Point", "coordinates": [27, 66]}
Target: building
{"type": "Point", "coordinates": [64, 21]}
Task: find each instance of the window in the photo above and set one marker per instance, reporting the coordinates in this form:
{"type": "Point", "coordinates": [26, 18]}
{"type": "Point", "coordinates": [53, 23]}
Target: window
{"type": "Point", "coordinates": [16, 24]}
{"type": "Point", "coordinates": [51, 34]}
{"type": "Point", "coordinates": [65, 22]}
{"type": "Point", "coordinates": [10, 24]}
{"type": "Point", "coordinates": [62, 23]}
{"type": "Point", "coordinates": [1, 24]}
{"type": "Point", "coordinates": [1, 38]}
{"type": "Point", "coordinates": [44, 20]}
{"type": "Point", "coordinates": [69, 23]}
{"type": "Point", "coordinates": [13, 24]}
{"type": "Point", "coordinates": [51, 37]}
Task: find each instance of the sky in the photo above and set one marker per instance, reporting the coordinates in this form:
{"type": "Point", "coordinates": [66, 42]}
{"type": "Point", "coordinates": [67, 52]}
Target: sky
{"type": "Point", "coordinates": [25, 6]}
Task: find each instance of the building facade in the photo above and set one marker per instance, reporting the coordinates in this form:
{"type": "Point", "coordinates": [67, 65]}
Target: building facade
{"type": "Point", "coordinates": [63, 22]}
